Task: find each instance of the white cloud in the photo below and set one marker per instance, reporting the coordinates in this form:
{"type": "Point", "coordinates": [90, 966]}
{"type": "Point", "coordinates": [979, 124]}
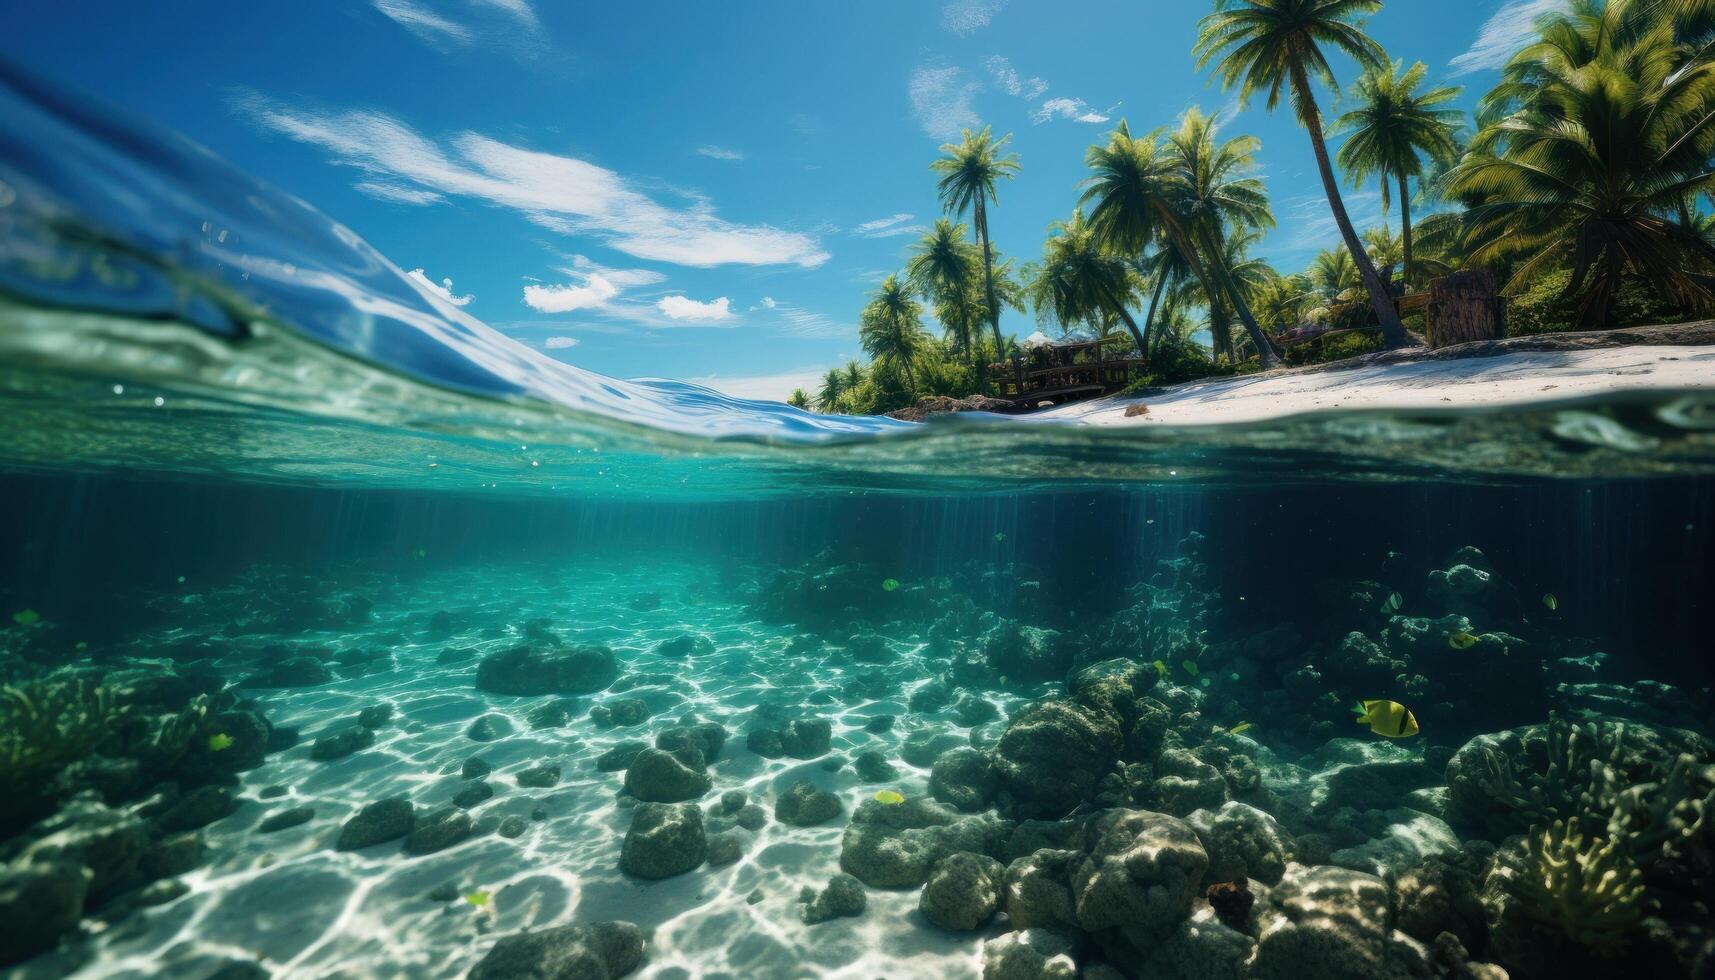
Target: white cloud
{"type": "Point", "coordinates": [421, 21]}
{"type": "Point", "coordinates": [798, 322]}
{"type": "Point", "coordinates": [595, 291]}
{"type": "Point", "coordinates": [966, 17]}
{"type": "Point", "coordinates": [1306, 224]}
{"type": "Point", "coordinates": [691, 311]}
{"type": "Point", "coordinates": [562, 193]}
{"type": "Point", "coordinates": [719, 153]}
{"type": "Point", "coordinates": [396, 193]}
{"type": "Point", "coordinates": [765, 387]}
{"type": "Point", "coordinates": [1076, 110]}
{"type": "Point", "coordinates": [517, 8]}
{"type": "Point", "coordinates": [888, 227]}
{"type": "Point", "coordinates": [768, 301]}
{"type": "Point", "coordinates": [1004, 74]}
{"type": "Point", "coordinates": [1508, 30]}
{"type": "Point", "coordinates": [443, 289]}
{"type": "Point", "coordinates": [941, 101]}
{"type": "Point", "coordinates": [560, 343]}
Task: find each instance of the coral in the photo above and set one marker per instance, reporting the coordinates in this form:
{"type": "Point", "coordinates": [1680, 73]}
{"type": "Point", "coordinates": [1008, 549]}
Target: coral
{"type": "Point", "coordinates": [1585, 886]}
{"type": "Point", "coordinates": [46, 723]}
{"type": "Point", "coordinates": [1232, 901]}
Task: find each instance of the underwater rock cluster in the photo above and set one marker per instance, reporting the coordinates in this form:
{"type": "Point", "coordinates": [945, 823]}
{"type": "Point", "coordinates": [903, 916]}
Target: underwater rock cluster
{"type": "Point", "coordinates": [1167, 789]}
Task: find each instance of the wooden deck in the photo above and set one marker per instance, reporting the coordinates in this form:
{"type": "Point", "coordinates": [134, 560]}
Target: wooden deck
{"type": "Point", "coordinates": [1027, 382]}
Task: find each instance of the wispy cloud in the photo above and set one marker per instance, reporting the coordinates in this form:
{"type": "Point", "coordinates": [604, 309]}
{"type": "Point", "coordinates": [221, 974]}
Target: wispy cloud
{"type": "Point", "coordinates": [796, 321]}
{"type": "Point", "coordinates": [443, 289]}
{"type": "Point", "coordinates": [1076, 110]}
{"type": "Point", "coordinates": [560, 343]}
{"type": "Point", "coordinates": [719, 153]}
{"type": "Point", "coordinates": [888, 227]}
{"type": "Point", "coordinates": [1509, 29]}
{"type": "Point", "coordinates": [691, 311]}
{"type": "Point", "coordinates": [396, 193]}
{"type": "Point", "coordinates": [763, 387]}
{"type": "Point", "coordinates": [562, 193]}
{"type": "Point", "coordinates": [1307, 224]}
{"type": "Point", "coordinates": [445, 26]}
{"type": "Point", "coordinates": [941, 101]}
{"type": "Point", "coordinates": [966, 17]}
{"type": "Point", "coordinates": [1008, 79]}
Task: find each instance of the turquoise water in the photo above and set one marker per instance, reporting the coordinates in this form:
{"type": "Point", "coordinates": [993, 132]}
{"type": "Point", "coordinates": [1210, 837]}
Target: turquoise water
{"type": "Point", "coordinates": [344, 637]}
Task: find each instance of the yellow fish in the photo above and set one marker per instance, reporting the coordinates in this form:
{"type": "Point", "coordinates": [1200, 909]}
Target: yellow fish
{"type": "Point", "coordinates": [1240, 728]}
{"type": "Point", "coordinates": [888, 585]}
{"type": "Point", "coordinates": [219, 742]}
{"type": "Point", "coordinates": [1462, 640]}
{"type": "Point", "coordinates": [26, 617]}
{"type": "Point", "coordinates": [478, 899]}
{"type": "Point", "coordinates": [1389, 718]}
{"type": "Point", "coordinates": [1190, 667]}
{"type": "Point", "coordinates": [889, 797]}
{"type": "Point", "coordinates": [1550, 601]}
{"type": "Point", "coordinates": [1160, 667]}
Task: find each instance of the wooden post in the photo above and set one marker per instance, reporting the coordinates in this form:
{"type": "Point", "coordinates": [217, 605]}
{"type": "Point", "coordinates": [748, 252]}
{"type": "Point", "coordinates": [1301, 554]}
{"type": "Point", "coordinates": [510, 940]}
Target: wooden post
{"type": "Point", "coordinates": [1464, 307]}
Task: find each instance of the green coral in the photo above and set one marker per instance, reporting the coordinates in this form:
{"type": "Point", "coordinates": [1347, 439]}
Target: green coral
{"type": "Point", "coordinates": [1578, 776]}
{"type": "Point", "coordinates": [48, 722]}
{"type": "Point", "coordinates": [1585, 886]}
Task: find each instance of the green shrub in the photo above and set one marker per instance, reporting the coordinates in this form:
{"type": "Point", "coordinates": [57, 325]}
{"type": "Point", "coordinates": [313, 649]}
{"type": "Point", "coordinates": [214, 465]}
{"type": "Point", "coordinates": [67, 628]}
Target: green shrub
{"type": "Point", "coordinates": [1546, 308]}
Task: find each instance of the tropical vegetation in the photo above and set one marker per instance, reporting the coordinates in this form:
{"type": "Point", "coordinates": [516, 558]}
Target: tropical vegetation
{"type": "Point", "coordinates": [1582, 183]}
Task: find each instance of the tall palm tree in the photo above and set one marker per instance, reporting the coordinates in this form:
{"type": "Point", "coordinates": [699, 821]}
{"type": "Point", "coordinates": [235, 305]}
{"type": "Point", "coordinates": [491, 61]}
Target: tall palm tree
{"type": "Point", "coordinates": [1134, 194]}
{"type": "Point", "coordinates": [891, 329]}
{"type": "Point", "coordinates": [833, 386]}
{"type": "Point", "coordinates": [1168, 270]}
{"type": "Point", "coordinates": [944, 269]}
{"type": "Point", "coordinates": [1275, 45]}
{"type": "Point", "coordinates": [1394, 126]}
{"type": "Point", "coordinates": [854, 376]}
{"type": "Point", "coordinates": [1607, 127]}
{"type": "Point", "coordinates": [1220, 202]}
{"type": "Point", "coordinates": [969, 171]}
{"type": "Point", "coordinates": [1078, 281]}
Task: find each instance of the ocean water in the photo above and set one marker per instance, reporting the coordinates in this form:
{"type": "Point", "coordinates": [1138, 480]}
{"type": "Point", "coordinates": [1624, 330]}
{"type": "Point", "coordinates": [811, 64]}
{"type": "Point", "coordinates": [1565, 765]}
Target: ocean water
{"type": "Point", "coordinates": [344, 637]}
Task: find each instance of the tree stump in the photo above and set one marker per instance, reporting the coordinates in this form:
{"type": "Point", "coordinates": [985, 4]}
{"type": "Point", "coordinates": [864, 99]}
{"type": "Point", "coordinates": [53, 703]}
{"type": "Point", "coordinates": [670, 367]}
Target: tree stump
{"type": "Point", "coordinates": [1463, 307]}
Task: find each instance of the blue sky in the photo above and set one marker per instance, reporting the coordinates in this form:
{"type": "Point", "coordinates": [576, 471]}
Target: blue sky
{"type": "Point", "coordinates": [691, 190]}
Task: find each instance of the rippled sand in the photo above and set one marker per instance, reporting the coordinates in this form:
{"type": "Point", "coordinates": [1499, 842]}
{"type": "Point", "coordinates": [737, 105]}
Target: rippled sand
{"type": "Point", "coordinates": [308, 910]}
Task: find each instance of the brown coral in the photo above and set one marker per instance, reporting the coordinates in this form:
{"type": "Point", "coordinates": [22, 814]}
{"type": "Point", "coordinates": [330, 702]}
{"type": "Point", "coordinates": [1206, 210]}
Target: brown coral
{"type": "Point", "coordinates": [1232, 901]}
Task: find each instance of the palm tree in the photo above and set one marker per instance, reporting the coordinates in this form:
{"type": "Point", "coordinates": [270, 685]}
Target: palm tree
{"type": "Point", "coordinates": [1386, 250]}
{"type": "Point", "coordinates": [969, 171]}
{"type": "Point", "coordinates": [1273, 45]}
{"type": "Point", "coordinates": [891, 329]}
{"type": "Point", "coordinates": [799, 399]}
{"type": "Point", "coordinates": [1078, 281]}
{"type": "Point", "coordinates": [1221, 201]}
{"type": "Point", "coordinates": [833, 386]}
{"type": "Point", "coordinates": [944, 269]}
{"type": "Point", "coordinates": [1605, 132]}
{"type": "Point", "coordinates": [1394, 127]}
{"type": "Point", "coordinates": [1134, 193]}
{"type": "Point", "coordinates": [1283, 301]}
{"type": "Point", "coordinates": [854, 375]}
{"type": "Point", "coordinates": [1168, 269]}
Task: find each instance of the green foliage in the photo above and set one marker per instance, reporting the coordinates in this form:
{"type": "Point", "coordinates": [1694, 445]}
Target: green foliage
{"type": "Point", "coordinates": [799, 399]}
{"type": "Point", "coordinates": [48, 722]}
{"type": "Point", "coordinates": [1549, 306]}
{"type": "Point", "coordinates": [1337, 349]}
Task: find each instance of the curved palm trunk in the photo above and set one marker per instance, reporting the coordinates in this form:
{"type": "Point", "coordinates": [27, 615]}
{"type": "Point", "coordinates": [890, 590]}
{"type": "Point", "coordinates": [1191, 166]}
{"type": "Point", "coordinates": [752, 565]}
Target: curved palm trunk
{"type": "Point", "coordinates": [1125, 315]}
{"type": "Point", "coordinates": [1405, 231]}
{"type": "Point", "coordinates": [1267, 356]}
{"type": "Point", "coordinates": [1149, 318]}
{"type": "Point", "coordinates": [1220, 334]}
{"type": "Point", "coordinates": [1393, 331]}
{"type": "Point", "coordinates": [980, 217]}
